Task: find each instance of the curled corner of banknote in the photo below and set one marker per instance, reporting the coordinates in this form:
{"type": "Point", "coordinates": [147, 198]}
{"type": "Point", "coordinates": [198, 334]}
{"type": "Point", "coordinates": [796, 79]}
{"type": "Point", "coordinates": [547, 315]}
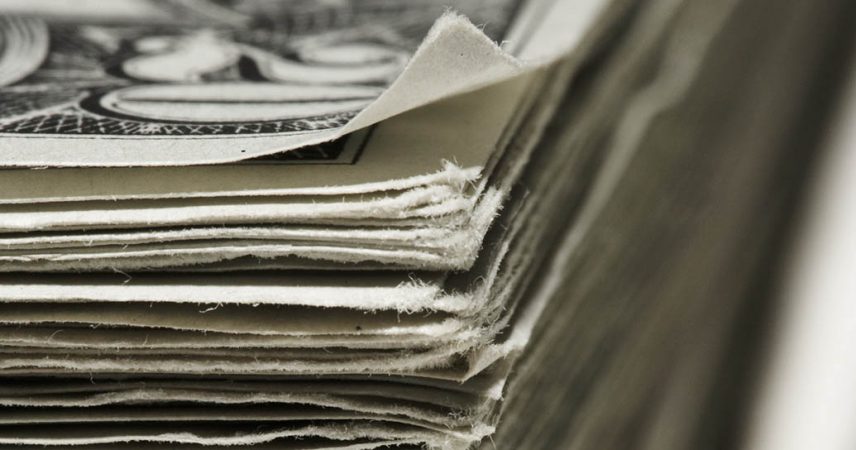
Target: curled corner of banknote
{"type": "Point", "coordinates": [187, 83]}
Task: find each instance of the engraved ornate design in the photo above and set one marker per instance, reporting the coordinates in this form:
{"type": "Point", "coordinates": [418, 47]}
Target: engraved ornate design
{"type": "Point", "coordinates": [212, 67]}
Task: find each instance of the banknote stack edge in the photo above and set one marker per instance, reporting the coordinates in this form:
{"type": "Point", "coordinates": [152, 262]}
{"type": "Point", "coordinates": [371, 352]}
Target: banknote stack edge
{"type": "Point", "coordinates": [277, 224]}
{"type": "Point", "coordinates": [422, 224]}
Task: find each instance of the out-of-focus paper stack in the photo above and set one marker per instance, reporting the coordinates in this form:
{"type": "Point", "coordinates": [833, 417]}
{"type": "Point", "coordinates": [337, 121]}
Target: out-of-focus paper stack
{"type": "Point", "coordinates": [277, 224]}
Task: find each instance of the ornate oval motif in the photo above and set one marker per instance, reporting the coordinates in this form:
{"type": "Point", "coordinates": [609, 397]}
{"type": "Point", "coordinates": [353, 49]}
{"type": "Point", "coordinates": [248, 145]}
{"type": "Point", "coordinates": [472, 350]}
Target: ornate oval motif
{"type": "Point", "coordinates": [236, 101]}
{"type": "Point", "coordinates": [23, 47]}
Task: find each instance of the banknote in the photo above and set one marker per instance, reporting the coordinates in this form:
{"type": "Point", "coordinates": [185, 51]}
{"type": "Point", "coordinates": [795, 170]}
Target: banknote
{"type": "Point", "coordinates": [143, 82]}
{"type": "Point", "coordinates": [185, 70]}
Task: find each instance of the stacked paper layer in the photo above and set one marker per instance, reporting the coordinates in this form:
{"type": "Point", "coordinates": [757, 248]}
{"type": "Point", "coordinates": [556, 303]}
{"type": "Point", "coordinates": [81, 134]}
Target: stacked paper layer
{"type": "Point", "coordinates": [360, 277]}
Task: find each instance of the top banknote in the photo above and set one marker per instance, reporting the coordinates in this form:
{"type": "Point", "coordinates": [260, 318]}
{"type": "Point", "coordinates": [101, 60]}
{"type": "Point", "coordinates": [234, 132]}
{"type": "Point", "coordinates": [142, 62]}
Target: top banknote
{"type": "Point", "coordinates": [150, 83]}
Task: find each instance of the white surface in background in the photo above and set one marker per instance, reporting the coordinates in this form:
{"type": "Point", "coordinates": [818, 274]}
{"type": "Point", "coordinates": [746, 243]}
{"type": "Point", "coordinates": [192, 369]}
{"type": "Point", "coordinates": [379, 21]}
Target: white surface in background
{"type": "Point", "coordinates": [809, 398]}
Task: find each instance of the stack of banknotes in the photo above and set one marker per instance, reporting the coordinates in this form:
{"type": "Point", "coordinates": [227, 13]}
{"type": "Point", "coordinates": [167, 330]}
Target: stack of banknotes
{"type": "Point", "coordinates": [278, 224]}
